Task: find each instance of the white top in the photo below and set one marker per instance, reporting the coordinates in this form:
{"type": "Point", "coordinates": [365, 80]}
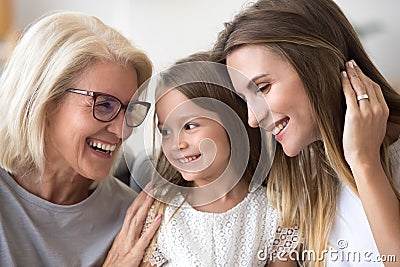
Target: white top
{"type": "Point", "coordinates": [245, 235]}
{"type": "Point", "coordinates": [351, 242]}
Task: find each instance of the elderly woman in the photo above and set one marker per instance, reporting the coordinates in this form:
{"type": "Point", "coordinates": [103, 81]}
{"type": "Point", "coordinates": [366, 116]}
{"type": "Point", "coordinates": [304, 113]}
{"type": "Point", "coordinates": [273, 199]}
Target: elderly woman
{"type": "Point", "coordinates": [65, 94]}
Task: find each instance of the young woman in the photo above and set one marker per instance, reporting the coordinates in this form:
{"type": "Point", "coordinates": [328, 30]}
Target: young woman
{"type": "Point", "coordinates": [337, 125]}
{"type": "Point", "coordinates": [209, 155]}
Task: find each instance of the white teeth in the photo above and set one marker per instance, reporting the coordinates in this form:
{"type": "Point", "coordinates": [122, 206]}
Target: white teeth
{"type": "Point", "coordinates": [279, 128]}
{"type": "Point", "coordinates": [188, 159]}
{"type": "Point", "coordinates": [106, 147]}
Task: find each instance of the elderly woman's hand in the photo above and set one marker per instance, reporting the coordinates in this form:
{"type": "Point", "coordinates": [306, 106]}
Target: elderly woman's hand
{"type": "Point", "coordinates": [129, 245]}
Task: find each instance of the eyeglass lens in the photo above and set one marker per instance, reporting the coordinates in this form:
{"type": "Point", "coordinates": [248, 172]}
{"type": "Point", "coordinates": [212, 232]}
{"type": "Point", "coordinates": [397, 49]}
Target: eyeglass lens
{"type": "Point", "coordinates": [135, 114]}
{"type": "Point", "coordinates": [107, 107]}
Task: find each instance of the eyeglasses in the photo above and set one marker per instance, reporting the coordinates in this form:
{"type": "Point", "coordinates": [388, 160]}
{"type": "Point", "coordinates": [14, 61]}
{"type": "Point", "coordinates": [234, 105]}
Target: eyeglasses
{"type": "Point", "coordinates": [106, 107]}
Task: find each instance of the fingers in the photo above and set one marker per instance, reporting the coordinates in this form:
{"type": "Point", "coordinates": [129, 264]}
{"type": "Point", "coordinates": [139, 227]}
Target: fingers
{"type": "Point", "coordinates": [138, 219]}
{"type": "Point", "coordinates": [136, 215]}
{"type": "Point", "coordinates": [365, 119]}
{"type": "Point", "coordinates": [137, 250]}
{"type": "Point", "coordinates": [349, 93]}
{"type": "Point", "coordinates": [364, 86]}
{"type": "Point", "coordinates": [130, 244]}
{"type": "Point", "coordinates": [142, 198]}
{"type": "Point", "coordinates": [145, 239]}
{"type": "Point", "coordinates": [379, 94]}
{"type": "Point", "coordinates": [355, 76]}
{"type": "Point", "coordinates": [361, 85]}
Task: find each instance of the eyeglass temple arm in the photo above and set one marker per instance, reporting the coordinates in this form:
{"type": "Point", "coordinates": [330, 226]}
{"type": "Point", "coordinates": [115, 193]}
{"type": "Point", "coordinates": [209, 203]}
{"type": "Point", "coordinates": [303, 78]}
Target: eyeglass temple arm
{"type": "Point", "coordinates": [82, 92]}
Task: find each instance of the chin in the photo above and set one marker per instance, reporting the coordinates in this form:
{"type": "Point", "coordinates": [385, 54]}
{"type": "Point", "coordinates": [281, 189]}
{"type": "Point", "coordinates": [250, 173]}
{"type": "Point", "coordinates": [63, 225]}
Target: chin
{"type": "Point", "coordinates": [291, 152]}
{"type": "Point", "coordinates": [191, 177]}
{"type": "Point", "coordinates": [293, 148]}
{"type": "Point", "coordinates": [188, 179]}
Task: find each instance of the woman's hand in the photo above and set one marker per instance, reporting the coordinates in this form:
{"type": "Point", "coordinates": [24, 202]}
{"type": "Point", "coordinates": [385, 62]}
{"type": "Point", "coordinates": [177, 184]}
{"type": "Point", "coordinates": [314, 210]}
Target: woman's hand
{"type": "Point", "coordinates": [364, 131]}
{"type": "Point", "coordinates": [366, 117]}
{"type": "Point", "coordinates": [129, 245]}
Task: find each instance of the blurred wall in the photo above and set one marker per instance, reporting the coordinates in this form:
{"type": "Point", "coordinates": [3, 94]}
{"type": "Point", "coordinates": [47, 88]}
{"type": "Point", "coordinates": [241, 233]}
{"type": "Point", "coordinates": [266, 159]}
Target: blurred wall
{"type": "Point", "coordinates": [378, 23]}
{"type": "Point", "coordinates": [170, 29]}
{"type": "Point", "coordinates": [166, 30]}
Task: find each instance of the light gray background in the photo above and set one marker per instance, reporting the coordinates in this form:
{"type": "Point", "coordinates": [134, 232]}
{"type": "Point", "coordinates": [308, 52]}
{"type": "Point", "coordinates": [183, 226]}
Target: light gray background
{"type": "Point", "coordinates": [170, 29]}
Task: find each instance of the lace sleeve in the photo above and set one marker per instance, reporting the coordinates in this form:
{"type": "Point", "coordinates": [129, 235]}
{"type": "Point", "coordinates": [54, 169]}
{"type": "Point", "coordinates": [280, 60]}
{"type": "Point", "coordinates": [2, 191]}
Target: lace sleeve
{"type": "Point", "coordinates": [152, 254]}
{"type": "Point", "coordinates": [285, 241]}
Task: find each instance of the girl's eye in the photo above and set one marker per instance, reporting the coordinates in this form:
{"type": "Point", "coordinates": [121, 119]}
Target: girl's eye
{"type": "Point", "coordinates": [264, 89]}
{"type": "Point", "coordinates": [190, 126]}
{"type": "Point", "coordinates": [165, 132]}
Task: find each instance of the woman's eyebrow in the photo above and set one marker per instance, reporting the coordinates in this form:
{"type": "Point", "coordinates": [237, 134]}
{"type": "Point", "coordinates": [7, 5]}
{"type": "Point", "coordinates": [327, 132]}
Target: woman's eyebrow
{"type": "Point", "coordinates": [254, 79]}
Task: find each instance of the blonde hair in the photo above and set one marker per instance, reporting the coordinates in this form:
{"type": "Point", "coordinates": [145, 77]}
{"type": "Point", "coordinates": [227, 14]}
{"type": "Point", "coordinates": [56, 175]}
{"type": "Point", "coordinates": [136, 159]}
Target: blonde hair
{"type": "Point", "coordinates": [48, 59]}
{"type": "Point", "coordinates": [317, 39]}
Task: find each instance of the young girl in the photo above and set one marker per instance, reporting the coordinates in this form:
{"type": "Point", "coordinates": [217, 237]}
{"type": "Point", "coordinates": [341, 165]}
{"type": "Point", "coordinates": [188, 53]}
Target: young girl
{"type": "Point", "coordinates": [337, 157]}
{"type": "Point", "coordinates": [209, 156]}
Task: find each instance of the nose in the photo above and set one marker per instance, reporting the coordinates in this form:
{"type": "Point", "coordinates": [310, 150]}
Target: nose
{"type": "Point", "coordinates": [252, 120]}
{"type": "Point", "coordinates": [116, 126]}
{"type": "Point", "coordinates": [180, 141]}
{"type": "Point", "coordinates": [174, 144]}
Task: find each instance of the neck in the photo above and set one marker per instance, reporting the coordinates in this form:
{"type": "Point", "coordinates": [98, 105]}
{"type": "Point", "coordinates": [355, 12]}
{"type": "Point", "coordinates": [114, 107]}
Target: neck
{"type": "Point", "coordinates": [227, 201]}
{"type": "Point", "coordinates": [62, 188]}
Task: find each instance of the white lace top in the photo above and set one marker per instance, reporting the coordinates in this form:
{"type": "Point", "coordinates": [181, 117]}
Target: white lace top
{"type": "Point", "coordinates": [246, 235]}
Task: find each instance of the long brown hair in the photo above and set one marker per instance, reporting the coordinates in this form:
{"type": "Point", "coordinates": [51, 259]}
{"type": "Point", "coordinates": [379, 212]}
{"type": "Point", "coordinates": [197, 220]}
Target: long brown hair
{"type": "Point", "coordinates": [317, 39]}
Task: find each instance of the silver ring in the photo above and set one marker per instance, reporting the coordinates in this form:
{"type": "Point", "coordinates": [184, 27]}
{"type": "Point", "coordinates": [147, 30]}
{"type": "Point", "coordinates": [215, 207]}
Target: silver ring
{"type": "Point", "coordinates": [361, 97]}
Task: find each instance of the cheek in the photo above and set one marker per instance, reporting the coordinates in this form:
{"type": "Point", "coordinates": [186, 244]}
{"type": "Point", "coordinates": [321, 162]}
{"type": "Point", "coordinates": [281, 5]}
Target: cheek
{"type": "Point", "coordinates": [205, 144]}
{"type": "Point", "coordinates": [223, 145]}
{"type": "Point", "coordinates": [166, 146]}
{"type": "Point", "coordinates": [72, 140]}
{"type": "Point", "coordinates": [278, 102]}
{"type": "Point", "coordinates": [306, 117]}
